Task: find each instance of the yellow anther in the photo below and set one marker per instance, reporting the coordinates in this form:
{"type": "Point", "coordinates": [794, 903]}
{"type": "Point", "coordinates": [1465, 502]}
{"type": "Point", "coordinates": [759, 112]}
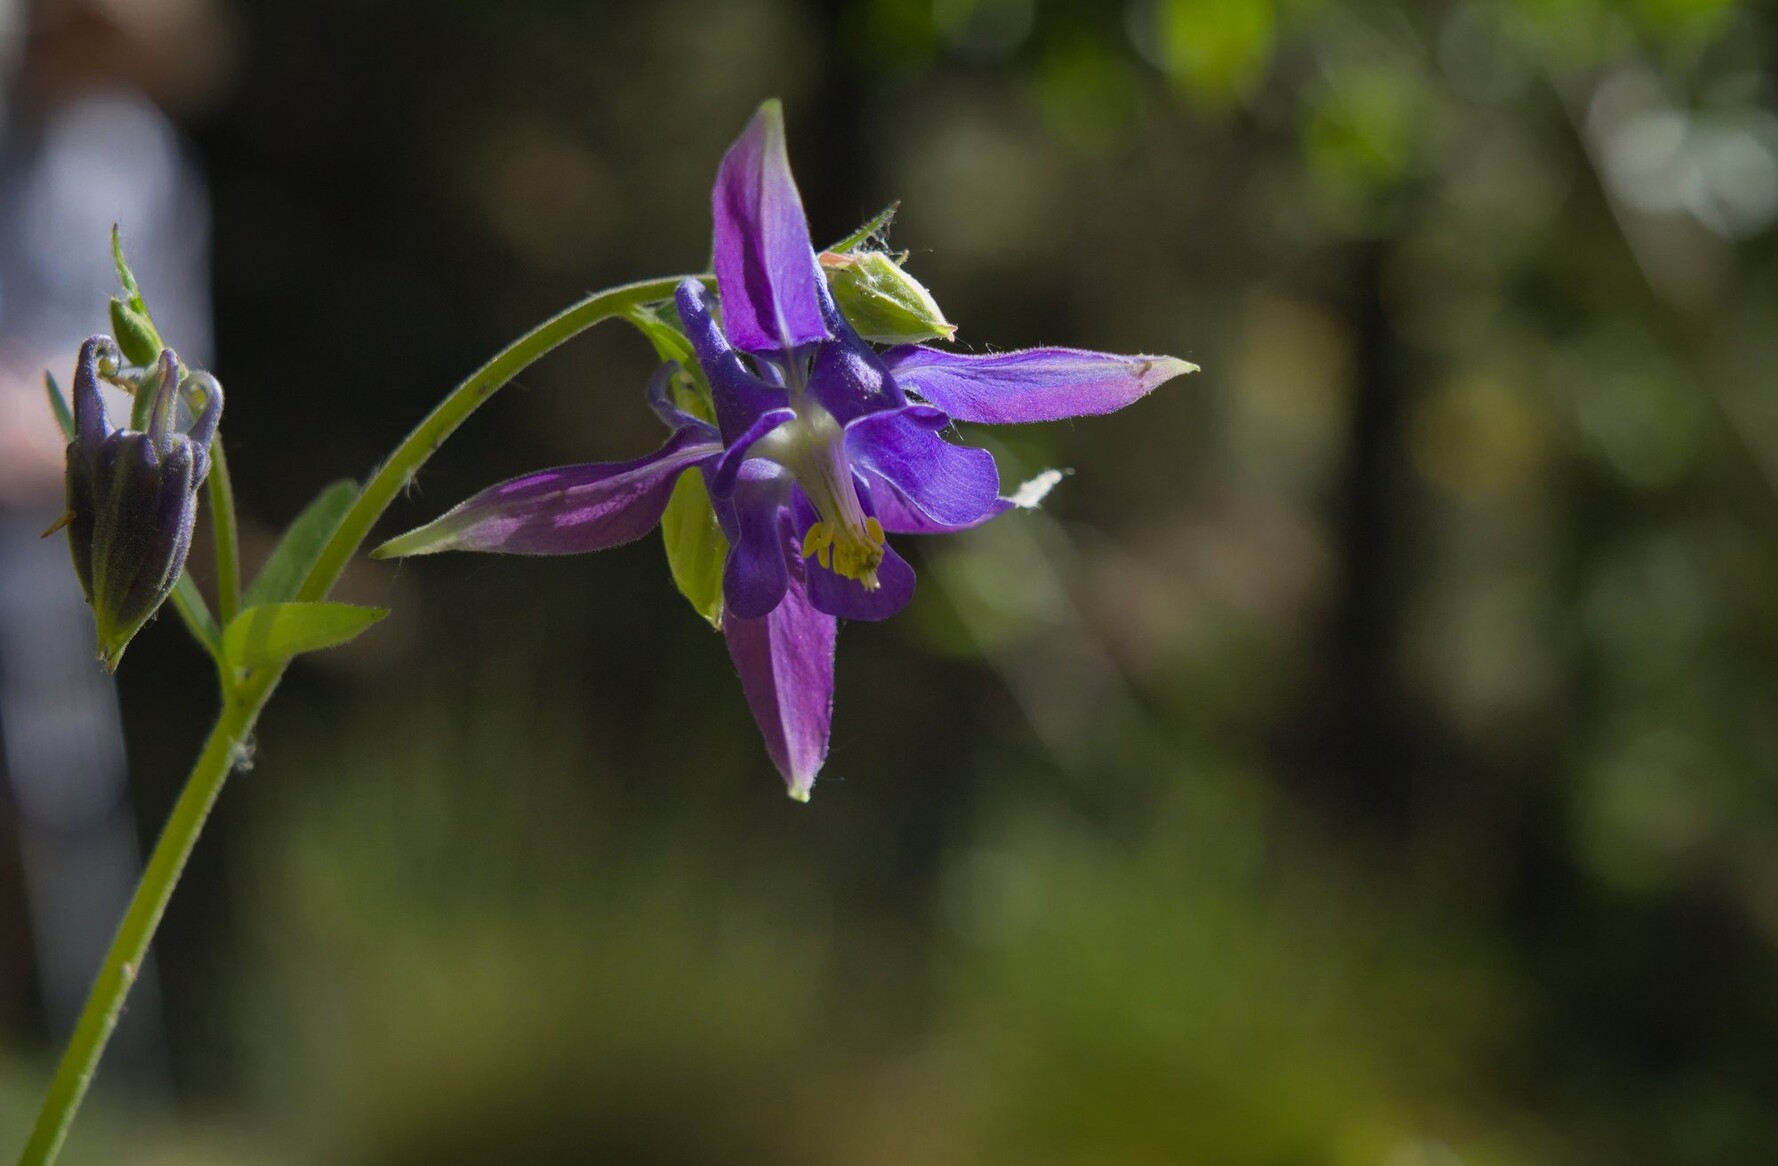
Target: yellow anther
{"type": "Point", "coordinates": [854, 553]}
{"type": "Point", "coordinates": [818, 543]}
{"type": "Point", "coordinates": [858, 559]}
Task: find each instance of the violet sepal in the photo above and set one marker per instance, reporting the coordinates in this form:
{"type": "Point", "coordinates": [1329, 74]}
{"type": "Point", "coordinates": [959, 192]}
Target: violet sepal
{"type": "Point", "coordinates": [764, 259]}
{"type": "Point", "coordinates": [1032, 384]}
{"type": "Point", "coordinates": [785, 659]}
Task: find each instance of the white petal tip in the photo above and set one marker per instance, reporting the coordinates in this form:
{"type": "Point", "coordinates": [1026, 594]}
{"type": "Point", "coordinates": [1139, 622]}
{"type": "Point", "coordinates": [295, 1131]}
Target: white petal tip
{"type": "Point", "coordinates": [1164, 368]}
{"type": "Point", "coordinates": [1031, 495]}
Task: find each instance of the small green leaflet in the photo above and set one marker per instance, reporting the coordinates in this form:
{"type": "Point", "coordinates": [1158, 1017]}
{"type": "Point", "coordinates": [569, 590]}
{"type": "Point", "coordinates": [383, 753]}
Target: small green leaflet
{"type": "Point", "coordinates": [196, 613]}
{"type": "Point", "coordinates": [137, 336]}
{"type": "Point", "coordinates": [689, 390]}
{"type": "Point", "coordinates": [274, 632]}
{"type": "Point", "coordinates": [296, 552]}
{"type": "Point", "coordinates": [59, 404]}
{"type": "Point", "coordinates": [863, 234]}
{"type": "Point", "coordinates": [696, 547]}
{"type": "Point", "coordinates": [125, 277]}
{"type": "Point", "coordinates": [668, 343]}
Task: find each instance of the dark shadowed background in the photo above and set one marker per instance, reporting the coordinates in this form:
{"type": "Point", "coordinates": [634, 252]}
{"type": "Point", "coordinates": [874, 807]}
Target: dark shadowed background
{"type": "Point", "coordinates": [1368, 756]}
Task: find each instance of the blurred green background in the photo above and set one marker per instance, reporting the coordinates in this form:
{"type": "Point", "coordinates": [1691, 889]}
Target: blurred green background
{"type": "Point", "coordinates": [1367, 757]}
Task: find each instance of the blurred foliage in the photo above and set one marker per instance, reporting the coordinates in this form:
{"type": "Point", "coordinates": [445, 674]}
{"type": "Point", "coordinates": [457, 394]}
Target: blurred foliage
{"type": "Point", "coordinates": [1366, 757]}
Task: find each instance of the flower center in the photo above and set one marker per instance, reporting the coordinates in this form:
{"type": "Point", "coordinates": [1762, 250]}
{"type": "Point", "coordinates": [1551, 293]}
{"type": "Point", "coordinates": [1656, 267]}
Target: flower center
{"type": "Point", "coordinates": [813, 447]}
{"type": "Point", "coordinates": [839, 548]}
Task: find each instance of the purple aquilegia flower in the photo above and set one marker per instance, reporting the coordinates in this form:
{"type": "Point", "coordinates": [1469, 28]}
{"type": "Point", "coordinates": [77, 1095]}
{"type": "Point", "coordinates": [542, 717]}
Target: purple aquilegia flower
{"type": "Point", "coordinates": [821, 448]}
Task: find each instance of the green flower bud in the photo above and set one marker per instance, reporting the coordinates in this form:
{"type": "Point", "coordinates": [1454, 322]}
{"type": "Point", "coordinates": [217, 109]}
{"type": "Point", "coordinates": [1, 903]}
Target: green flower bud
{"type": "Point", "coordinates": [881, 301]}
{"type": "Point", "coordinates": [136, 336]}
{"type": "Point", "coordinates": [132, 495]}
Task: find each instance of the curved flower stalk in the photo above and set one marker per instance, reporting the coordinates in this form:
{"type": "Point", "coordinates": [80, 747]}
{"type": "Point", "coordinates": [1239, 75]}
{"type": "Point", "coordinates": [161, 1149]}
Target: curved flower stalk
{"type": "Point", "coordinates": [814, 448]}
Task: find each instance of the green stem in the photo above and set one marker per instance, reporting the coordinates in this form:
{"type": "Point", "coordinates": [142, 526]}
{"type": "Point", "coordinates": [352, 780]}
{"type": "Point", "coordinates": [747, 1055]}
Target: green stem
{"type": "Point", "coordinates": [242, 703]}
{"type": "Point", "coordinates": [106, 999]}
{"type": "Point", "coordinates": [395, 473]}
{"type": "Point", "coordinates": [222, 526]}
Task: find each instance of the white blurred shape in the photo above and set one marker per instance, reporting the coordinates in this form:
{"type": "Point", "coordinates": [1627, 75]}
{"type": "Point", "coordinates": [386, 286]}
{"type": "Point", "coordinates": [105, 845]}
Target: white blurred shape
{"type": "Point", "coordinates": [107, 158]}
{"type": "Point", "coordinates": [1717, 165]}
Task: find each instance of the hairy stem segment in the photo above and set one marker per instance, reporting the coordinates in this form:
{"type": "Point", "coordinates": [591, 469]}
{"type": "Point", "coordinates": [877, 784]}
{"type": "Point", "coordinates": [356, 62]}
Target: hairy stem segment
{"type": "Point", "coordinates": [245, 695]}
{"type": "Point", "coordinates": [222, 525]}
{"type": "Point", "coordinates": [395, 473]}
{"type": "Point", "coordinates": [105, 1000]}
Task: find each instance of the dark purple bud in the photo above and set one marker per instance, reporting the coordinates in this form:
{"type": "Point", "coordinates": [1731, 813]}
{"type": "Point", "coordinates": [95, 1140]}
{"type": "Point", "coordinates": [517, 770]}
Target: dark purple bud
{"type": "Point", "coordinates": [132, 496]}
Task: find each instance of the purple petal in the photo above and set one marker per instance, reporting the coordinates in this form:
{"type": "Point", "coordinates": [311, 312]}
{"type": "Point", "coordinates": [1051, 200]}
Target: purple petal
{"type": "Point", "coordinates": [728, 466]}
{"type": "Point", "coordinates": [739, 396]}
{"type": "Point", "coordinates": [899, 516]}
{"type": "Point", "coordinates": [563, 511]}
{"type": "Point", "coordinates": [953, 485]}
{"type": "Point", "coordinates": [755, 575]}
{"type": "Point", "coordinates": [847, 598]}
{"type": "Point", "coordinates": [786, 664]}
{"type": "Point", "coordinates": [660, 401]}
{"type": "Point", "coordinates": [765, 262]}
{"type": "Point", "coordinates": [1035, 384]}
{"type": "Point", "coordinates": [848, 376]}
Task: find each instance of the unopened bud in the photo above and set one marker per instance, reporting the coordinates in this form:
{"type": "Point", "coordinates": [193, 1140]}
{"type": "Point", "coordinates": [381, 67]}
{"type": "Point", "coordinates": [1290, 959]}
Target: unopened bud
{"type": "Point", "coordinates": [136, 336]}
{"type": "Point", "coordinates": [132, 495]}
{"type": "Point", "coordinates": [881, 301]}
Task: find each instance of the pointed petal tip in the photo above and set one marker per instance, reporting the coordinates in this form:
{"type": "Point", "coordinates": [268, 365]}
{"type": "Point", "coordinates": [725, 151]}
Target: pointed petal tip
{"type": "Point", "coordinates": [1165, 368]}
{"type": "Point", "coordinates": [799, 791]}
{"type": "Point", "coordinates": [111, 652]}
{"type": "Point", "coordinates": [424, 540]}
{"type": "Point", "coordinates": [1030, 384]}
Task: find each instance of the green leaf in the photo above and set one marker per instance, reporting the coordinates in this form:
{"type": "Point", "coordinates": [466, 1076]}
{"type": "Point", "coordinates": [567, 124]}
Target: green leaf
{"type": "Point", "coordinates": [863, 234]}
{"type": "Point", "coordinates": [696, 547]}
{"type": "Point", "coordinates": [301, 545]}
{"type": "Point", "coordinates": [689, 390]}
{"type": "Point", "coordinates": [669, 343]}
{"type": "Point", "coordinates": [196, 614]}
{"type": "Point", "coordinates": [59, 405]}
{"type": "Point", "coordinates": [274, 632]}
{"type": "Point", "coordinates": [125, 278]}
